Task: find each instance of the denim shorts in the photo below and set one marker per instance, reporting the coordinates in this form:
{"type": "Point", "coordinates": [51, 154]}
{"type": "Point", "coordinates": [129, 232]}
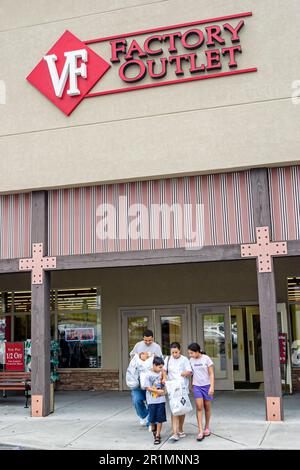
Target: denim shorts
{"type": "Point", "coordinates": [202, 392]}
{"type": "Point", "coordinates": [157, 413]}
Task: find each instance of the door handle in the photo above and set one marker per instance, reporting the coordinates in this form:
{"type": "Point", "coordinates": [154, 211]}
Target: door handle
{"type": "Point", "coordinates": [251, 347]}
{"type": "Point", "coordinates": [229, 350]}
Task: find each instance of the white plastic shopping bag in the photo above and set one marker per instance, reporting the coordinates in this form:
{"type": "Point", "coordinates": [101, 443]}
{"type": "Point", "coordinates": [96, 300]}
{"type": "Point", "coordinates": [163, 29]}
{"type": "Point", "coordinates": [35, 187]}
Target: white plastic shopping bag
{"type": "Point", "coordinates": [180, 403]}
{"type": "Point", "coordinates": [132, 375]}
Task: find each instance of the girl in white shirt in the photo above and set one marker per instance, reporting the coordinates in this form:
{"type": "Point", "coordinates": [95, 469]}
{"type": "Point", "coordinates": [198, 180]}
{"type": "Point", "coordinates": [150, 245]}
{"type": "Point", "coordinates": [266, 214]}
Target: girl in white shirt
{"type": "Point", "coordinates": [177, 367]}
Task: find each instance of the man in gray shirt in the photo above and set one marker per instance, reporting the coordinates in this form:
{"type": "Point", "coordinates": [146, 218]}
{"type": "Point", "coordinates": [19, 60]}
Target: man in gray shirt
{"type": "Point", "coordinates": [147, 345]}
{"type": "Point", "coordinates": [139, 395]}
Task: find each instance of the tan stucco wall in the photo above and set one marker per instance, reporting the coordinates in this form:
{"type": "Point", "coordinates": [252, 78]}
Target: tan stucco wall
{"type": "Point", "coordinates": [233, 281]}
{"type": "Point", "coordinates": [207, 126]}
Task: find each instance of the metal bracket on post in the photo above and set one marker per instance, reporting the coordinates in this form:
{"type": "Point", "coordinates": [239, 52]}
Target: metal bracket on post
{"type": "Point", "coordinates": [37, 264]}
{"type": "Point", "coordinates": [263, 249]}
{"type": "Point", "coordinates": [37, 406]}
{"type": "Point", "coordinates": [274, 408]}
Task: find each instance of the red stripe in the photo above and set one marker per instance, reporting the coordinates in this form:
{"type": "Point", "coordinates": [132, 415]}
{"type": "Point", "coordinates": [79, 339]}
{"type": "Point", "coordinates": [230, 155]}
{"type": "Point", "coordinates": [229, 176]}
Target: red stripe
{"type": "Point", "coordinates": [245, 216]}
{"type": "Point", "coordinates": [88, 224]}
{"type": "Point", "coordinates": [218, 210]}
{"type": "Point", "coordinates": [132, 218]}
{"type": "Point", "coordinates": [15, 232]}
{"type": "Point", "coordinates": [290, 203]}
{"type": "Point", "coordinates": [27, 226]}
{"type": "Point", "coordinates": [171, 82]}
{"type": "Point", "coordinates": [276, 204]}
{"type": "Point", "coordinates": [207, 209]}
{"type": "Point", "coordinates": [168, 28]}
{"type": "Point", "coordinates": [195, 235]}
{"type": "Point", "coordinates": [157, 216]}
{"type": "Point", "coordinates": [146, 225]}
{"type": "Point", "coordinates": [181, 222]}
{"type": "Point", "coordinates": [111, 220]}
{"type": "Point", "coordinates": [77, 221]}
{"type": "Point", "coordinates": [65, 221]}
{"type": "Point", "coordinates": [231, 211]}
{"type": "Point", "coordinates": [55, 234]}
{"type": "Point", "coordinates": [170, 220]}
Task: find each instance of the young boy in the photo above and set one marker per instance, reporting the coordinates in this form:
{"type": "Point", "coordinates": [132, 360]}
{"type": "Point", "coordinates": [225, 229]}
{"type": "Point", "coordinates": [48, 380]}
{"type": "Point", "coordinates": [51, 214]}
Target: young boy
{"type": "Point", "coordinates": [155, 397]}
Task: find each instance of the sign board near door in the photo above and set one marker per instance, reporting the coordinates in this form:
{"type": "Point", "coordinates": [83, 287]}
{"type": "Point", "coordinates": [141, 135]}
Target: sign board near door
{"type": "Point", "coordinates": [14, 356]}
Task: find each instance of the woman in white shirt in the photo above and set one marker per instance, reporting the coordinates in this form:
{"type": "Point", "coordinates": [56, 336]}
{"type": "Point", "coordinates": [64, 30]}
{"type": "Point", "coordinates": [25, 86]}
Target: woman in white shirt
{"type": "Point", "coordinates": [177, 367]}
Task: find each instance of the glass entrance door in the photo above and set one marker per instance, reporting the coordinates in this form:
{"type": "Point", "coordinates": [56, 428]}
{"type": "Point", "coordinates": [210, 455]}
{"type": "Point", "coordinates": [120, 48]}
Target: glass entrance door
{"type": "Point", "coordinates": [254, 345]}
{"type": "Point", "coordinates": [171, 326]}
{"type": "Point", "coordinates": [168, 323]}
{"type": "Point", "coordinates": [133, 323]}
{"type": "Point", "coordinates": [213, 331]}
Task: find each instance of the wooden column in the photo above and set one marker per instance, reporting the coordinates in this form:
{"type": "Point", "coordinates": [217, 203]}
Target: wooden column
{"type": "Point", "coordinates": [267, 304]}
{"type": "Point", "coordinates": [40, 314]}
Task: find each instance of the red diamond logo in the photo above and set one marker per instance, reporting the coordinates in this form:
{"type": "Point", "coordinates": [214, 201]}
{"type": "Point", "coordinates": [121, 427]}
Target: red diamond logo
{"type": "Point", "coordinates": [68, 72]}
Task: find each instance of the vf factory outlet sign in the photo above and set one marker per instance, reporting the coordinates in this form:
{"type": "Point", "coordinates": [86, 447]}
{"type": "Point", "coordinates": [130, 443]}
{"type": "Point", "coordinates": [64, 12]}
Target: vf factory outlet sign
{"type": "Point", "coordinates": [143, 59]}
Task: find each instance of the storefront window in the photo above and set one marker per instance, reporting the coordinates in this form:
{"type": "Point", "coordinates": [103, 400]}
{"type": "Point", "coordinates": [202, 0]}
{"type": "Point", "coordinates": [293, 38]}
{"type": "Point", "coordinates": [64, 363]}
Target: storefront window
{"type": "Point", "coordinates": [75, 323]}
{"type": "Point", "coordinates": [294, 300]}
{"type": "Point", "coordinates": [22, 327]}
{"type": "Point", "coordinates": [295, 324]}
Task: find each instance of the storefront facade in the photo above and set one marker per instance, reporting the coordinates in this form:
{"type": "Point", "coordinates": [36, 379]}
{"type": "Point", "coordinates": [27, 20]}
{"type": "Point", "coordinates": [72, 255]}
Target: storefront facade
{"type": "Point", "coordinates": [156, 184]}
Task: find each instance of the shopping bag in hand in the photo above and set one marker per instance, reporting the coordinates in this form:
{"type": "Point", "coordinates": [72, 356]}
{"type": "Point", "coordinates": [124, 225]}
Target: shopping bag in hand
{"type": "Point", "coordinates": [178, 398]}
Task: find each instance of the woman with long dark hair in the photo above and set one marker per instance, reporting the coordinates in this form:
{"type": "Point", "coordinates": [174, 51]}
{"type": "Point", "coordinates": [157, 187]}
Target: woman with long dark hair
{"type": "Point", "coordinates": [203, 386]}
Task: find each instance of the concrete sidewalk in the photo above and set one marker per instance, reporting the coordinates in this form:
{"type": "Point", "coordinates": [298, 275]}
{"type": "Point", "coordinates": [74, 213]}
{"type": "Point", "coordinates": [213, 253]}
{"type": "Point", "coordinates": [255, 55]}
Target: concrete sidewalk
{"type": "Point", "coordinates": [106, 420]}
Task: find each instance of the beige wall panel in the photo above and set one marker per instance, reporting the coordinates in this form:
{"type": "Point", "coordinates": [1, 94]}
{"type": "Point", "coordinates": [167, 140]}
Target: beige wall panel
{"type": "Point", "coordinates": [26, 13]}
{"type": "Point", "coordinates": [211, 125]}
{"type": "Point", "coordinates": [234, 137]}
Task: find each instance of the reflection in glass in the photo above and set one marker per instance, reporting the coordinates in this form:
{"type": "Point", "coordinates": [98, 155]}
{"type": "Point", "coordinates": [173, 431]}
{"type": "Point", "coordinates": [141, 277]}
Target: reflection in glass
{"type": "Point", "coordinates": [5, 328]}
{"type": "Point", "coordinates": [214, 342]}
{"type": "Point", "coordinates": [80, 339]}
{"type": "Point", "coordinates": [171, 331]}
{"type": "Point", "coordinates": [234, 342]}
{"type": "Point", "coordinates": [257, 342]}
{"type": "Point", "coordinates": [136, 328]}
{"type": "Point", "coordinates": [22, 327]}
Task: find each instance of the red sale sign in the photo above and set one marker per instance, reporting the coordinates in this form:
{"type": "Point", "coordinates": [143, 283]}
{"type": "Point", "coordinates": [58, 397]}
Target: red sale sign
{"type": "Point", "coordinates": [283, 347]}
{"type": "Point", "coordinates": [14, 355]}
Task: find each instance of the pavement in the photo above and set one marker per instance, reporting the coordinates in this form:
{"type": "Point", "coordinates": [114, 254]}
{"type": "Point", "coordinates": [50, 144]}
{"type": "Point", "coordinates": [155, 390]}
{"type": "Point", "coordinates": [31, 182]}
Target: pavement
{"type": "Point", "coordinates": [107, 421]}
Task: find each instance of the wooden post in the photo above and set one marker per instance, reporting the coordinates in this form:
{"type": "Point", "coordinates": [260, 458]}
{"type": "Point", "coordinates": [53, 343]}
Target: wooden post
{"type": "Point", "coordinates": [40, 314]}
{"type": "Point", "coordinates": [267, 304]}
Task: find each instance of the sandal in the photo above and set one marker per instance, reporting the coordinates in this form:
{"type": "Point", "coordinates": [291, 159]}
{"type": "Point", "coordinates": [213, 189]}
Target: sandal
{"type": "Point", "coordinates": [207, 432]}
{"type": "Point", "coordinates": [182, 434]}
{"type": "Point", "coordinates": [200, 436]}
{"type": "Point", "coordinates": [174, 438]}
{"type": "Point", "coordinates": [157, 440]}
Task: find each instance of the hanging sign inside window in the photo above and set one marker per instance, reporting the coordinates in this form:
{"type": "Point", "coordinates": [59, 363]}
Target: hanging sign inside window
{"type": "Point", "coordinates": [79, 334]}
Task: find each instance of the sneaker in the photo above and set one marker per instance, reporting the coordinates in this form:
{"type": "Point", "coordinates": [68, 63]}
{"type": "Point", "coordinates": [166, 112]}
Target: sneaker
{"type": "Point", "coordinates": [143, 421]}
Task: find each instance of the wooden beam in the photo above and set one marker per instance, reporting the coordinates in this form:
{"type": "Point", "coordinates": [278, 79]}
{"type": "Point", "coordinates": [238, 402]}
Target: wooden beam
{"type": "Point", "coordinates": [150, 257]}
{"type": "Point", "coordinates": [267, 304]}
{"type": "Point", "coordinates": [40, 314]}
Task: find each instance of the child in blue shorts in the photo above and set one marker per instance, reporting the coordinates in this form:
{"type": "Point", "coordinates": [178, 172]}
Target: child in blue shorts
{"type": "Point", "coordinates": [203, 386]}
{"type": "Point", "coordinates": [155, 397]}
